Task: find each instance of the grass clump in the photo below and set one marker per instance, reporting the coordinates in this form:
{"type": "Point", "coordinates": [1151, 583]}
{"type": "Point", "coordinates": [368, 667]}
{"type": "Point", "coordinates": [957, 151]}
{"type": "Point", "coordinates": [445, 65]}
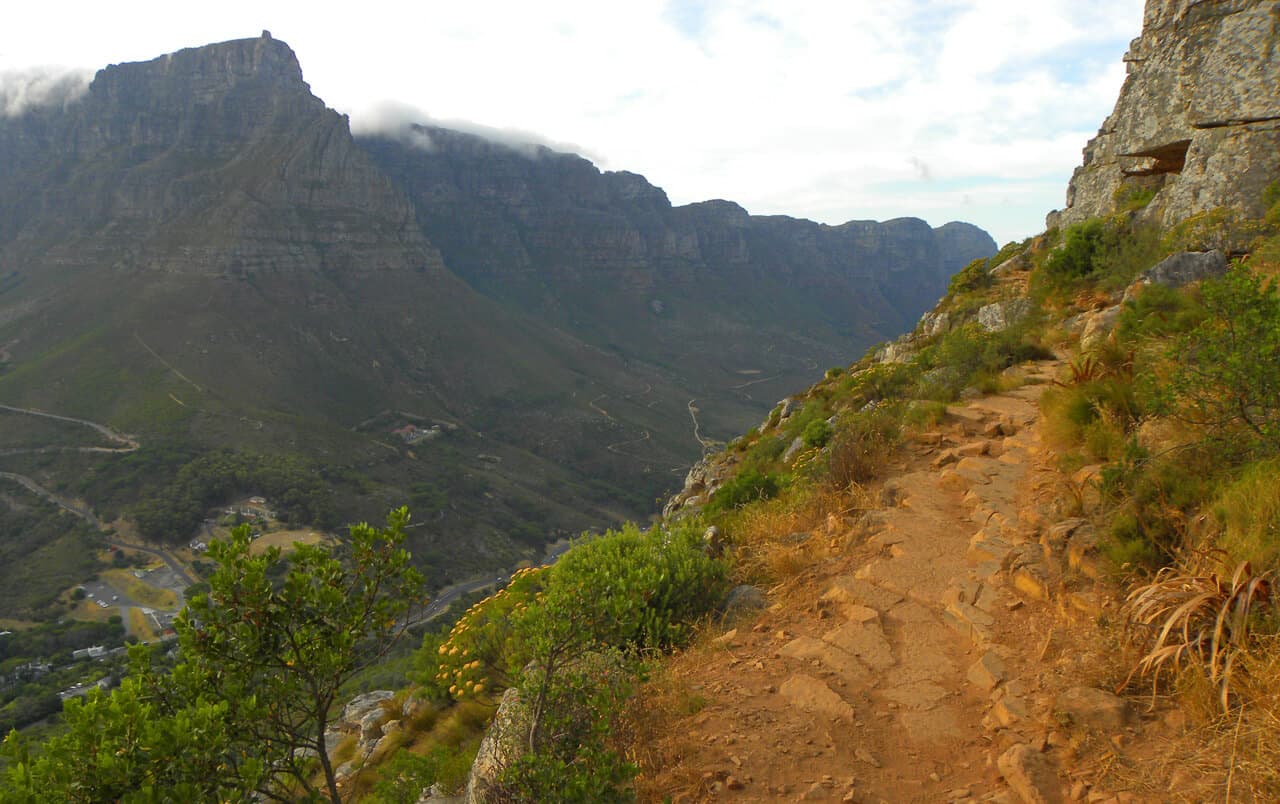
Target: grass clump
{"type": "Point", "coordinates": [1247, 512]}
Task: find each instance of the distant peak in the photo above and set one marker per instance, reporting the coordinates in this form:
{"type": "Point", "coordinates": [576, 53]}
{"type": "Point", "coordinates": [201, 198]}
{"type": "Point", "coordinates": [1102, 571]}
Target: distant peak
{"type": "Point", "coordinates": [261, 58]}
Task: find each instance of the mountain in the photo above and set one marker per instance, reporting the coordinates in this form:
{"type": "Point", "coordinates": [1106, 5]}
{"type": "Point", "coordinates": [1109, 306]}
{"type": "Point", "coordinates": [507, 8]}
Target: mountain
{"type": "Point", "coordinates": [705, 289]}
{"type": "Point", "coordinates": [198, 251]}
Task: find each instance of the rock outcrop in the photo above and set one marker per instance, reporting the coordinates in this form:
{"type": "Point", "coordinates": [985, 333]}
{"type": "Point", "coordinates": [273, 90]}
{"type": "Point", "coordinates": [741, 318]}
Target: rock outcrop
{"type": "Point", "coordinates": [1198, 118]}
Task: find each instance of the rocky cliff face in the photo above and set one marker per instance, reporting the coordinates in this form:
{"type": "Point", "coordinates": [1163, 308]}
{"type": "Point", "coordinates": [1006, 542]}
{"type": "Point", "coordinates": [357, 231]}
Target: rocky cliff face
{"type": "Point", "coordinates": [1198, 119]}
{"type": "Point", "coordinates": [208, 160]}
{"type": "Point", "coordinates": [706, 288]}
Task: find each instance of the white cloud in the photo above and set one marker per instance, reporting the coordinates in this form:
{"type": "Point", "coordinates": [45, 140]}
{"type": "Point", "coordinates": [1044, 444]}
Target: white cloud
{"type": "Point", "coordinates": [812, 108]}
{"type": "Point", "coordinates": [34, 87]}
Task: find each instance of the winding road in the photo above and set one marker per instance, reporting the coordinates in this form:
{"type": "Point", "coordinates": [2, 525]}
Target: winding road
{"type": "Point", "coordinates": [129, 443]}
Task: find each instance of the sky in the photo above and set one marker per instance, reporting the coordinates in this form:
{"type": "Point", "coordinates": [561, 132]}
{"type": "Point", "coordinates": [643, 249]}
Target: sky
{"type": "Point", "coordinates": [832, 110]}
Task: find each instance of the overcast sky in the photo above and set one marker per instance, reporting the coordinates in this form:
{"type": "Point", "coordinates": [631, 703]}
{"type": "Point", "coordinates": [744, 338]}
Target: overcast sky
{"type": "Point", "coordinates": [833, 110]}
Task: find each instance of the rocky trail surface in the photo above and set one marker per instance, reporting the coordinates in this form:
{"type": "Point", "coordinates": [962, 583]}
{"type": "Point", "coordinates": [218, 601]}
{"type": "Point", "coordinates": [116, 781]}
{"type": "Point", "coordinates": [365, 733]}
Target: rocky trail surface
{"type": "Point", "coordinates": [946, 650]}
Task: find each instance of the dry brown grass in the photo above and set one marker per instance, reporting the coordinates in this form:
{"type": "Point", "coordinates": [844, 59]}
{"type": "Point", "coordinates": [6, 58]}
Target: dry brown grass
{"type": "Point", "coordinates": [1189, 616]}
{"type": "Point", "coordinates": [781, 538]}
{"type": "Point", "coordinates": [658, 745]}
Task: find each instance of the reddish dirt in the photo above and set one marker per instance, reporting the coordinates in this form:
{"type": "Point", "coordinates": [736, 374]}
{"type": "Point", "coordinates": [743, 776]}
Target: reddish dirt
{"type": "Point", "coordinates": [934, 638]}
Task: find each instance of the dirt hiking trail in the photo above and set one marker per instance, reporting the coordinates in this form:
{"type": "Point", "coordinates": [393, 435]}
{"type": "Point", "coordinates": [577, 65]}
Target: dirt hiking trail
{"type": "Point", "coordinates": [947, 655]}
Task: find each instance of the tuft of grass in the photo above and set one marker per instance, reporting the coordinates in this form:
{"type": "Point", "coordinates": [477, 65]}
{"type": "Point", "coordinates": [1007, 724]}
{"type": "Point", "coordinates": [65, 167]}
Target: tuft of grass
{"type": "Point", "coordinates": [1248, 511]}
{"type": "Point", "coordinates": [778, 539]}
{"type": "Point", "coordinates": [1185, 617]}
{"type": "Point", "coordinates": [860, 448]}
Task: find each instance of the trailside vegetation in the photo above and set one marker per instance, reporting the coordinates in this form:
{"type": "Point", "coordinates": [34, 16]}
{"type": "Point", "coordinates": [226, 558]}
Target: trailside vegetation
{"type": "Point", "coordinates": [263, 655]}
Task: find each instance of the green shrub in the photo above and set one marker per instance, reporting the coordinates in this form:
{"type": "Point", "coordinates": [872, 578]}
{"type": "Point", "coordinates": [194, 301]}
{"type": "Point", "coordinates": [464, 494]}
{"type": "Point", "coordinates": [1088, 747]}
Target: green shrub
{"type": "Point", "coordinates": [1075, 258]}
{"type": "Point", "coordinates": [576, 760]}
{"type": "Point", "coordinates": [406, 776]}
{"type": "Point", "coordinates": [1133, 197]}
{"type": "Point", "coordinates": [1106, 253]}
{"type": "Point", "coordinates": [973, 276]}
{"type": "Point", "coordinates": [817, 433]}
{"type": "Point", "coordinates": [1158, 312]}
{"type": "Point", "coordinates": [1248, 512]}
{"type": "Point", "coordinates": [747, 486]}
{"type": "Point", "coordinates": [1224, 375]}
{"type": "Point", "coordinates": [860, 447]}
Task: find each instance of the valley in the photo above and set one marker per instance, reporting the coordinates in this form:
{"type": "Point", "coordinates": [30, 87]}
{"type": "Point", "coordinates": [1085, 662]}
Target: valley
{"type": "Point", "coordinates": [541, 322]}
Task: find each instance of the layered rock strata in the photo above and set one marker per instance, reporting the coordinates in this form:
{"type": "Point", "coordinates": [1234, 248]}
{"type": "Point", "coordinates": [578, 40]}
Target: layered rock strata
{"type": "Point", "coordinates": [1198, 118]}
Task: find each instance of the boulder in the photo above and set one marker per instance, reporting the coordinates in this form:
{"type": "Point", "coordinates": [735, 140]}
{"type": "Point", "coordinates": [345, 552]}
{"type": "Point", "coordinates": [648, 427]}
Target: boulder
{"type": "Point", "coordinates": [1032, 775]}
{"type": "Point", "coordinates": [1186, 267]}
{"type": "Point", "coordinates": [360, 707]}
{"type": "Point", "coordinates": [900, 351]}
{"type": "Point", "coordinates": [1094, 709]}
{"type": "Point", "coordinates": [502, 744]}
{"type": "Point", "coordinates": [797, 444]}
{"type": "Point", "coordinates": [933, 323]}
{"type": "Point", "coordinates": [999, 316]}
{"type": "Point", "coordinates": [742, 599]}
{"type": "Point", "coordinates": [1098, 326]}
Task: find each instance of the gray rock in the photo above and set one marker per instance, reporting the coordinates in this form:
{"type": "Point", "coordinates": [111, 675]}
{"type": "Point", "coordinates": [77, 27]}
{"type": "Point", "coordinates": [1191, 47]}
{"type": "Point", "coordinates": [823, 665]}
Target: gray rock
{"type": "Point", "coordinates": [797, 444]}
{"type": "Point", "coordinates": [1098, 326]}
{"type": "Point", "coordinates": [502, 744]}
{"type": "Point", "coordinates": [1198, 118]}
{"type": "Point", "coordinates": [897, 352]}
{"type": "Point", "coordinates": [932, 323]}
{"type": "Point", "coordinates": [713, 542]}
{"type": "Point", "coordinates": [1016, 263]}
{"type": "Point", "coordinates": [1094, 709]}
{"type": "Point", "coordinates": [354, 713]}
{"type": "Point", "coordinates": [1186, 267]}
{"type": "Point", "coordinates": [436, 794]}
{"type": "Point", "coordinates": [999, 316]}
{"type": "Point", "coordinates": [371, 725]}
{"type": "Point", "coordinates": [743, 599]}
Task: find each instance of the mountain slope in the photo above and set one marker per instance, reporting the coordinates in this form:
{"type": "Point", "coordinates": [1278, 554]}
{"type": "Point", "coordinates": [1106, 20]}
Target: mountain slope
{"type": "Point", "coordinates": [705, 289]}
{"type": "Point", "coordinates": [199, 252]}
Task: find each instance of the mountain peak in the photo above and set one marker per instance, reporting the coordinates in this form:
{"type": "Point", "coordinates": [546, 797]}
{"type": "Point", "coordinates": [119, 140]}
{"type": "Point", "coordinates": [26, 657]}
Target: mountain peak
{"type": "Point", "coordinates": [209, 68]}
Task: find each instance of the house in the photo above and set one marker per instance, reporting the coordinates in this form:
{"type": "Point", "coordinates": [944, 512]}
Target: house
{"type": "Point", "coordinates": [95, 652]}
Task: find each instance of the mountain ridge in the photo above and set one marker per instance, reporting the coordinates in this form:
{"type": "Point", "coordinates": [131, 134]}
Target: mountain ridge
{"type": "Point", "coordinates": [199, 251]}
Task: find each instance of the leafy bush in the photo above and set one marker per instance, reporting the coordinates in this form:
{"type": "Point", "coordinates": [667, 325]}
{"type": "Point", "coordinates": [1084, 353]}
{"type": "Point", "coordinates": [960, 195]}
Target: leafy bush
{"type": "Point", "coordinates": [1133, 197]}
{"type": "Point", "coordinates": [1103, 253]}
{"type": "Point", "coordinates": [1247, 511]}
{"type": "Point", "coordinates": [860, 447]}
{"type": "Point", "coordinates": [968, 355]}
{"type": "Point", "coordinates": [625, 588]}
{"type": "Point", "coordinates": [1075, 258]}
{"type": "Point", "coordinates": [1224, 375]}
{"type": "Point", "coordinates": [576, 759]}
{"type": "Point", "coordinates": [817, 433]}
{"type": "Point", "coordinates": [973, 276]}
{"type": "Point", "coordinates": [404, 779]}
{"type": "Point", "coordinates": [748, 485]}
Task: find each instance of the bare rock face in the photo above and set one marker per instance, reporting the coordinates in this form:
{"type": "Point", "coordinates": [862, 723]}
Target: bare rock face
{"type": "Point", "coordinates": [1198, 118]}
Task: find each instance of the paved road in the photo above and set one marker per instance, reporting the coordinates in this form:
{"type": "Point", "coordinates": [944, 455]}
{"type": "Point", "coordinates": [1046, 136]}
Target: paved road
{"type": "Point", "coordinates": [130, 443]}
{"type": "Point", "coordinates": [92, 519]}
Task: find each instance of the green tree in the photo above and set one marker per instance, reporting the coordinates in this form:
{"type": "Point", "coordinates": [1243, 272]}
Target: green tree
{"type": "Point", "coordinates": [264, 655]}
{"type": "Point", "coordinates": [283, 650]}
{"type": "Point", "coordinates": [158, 737]}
